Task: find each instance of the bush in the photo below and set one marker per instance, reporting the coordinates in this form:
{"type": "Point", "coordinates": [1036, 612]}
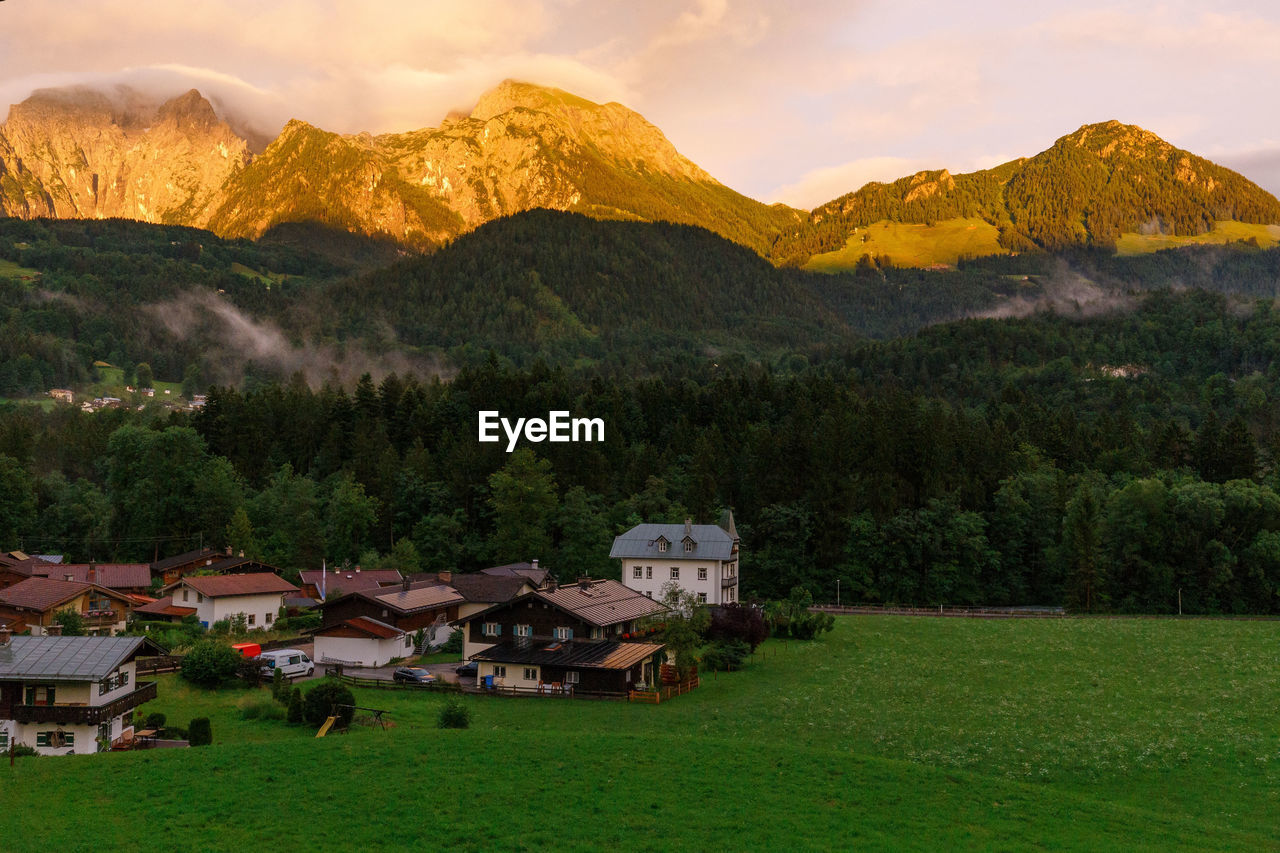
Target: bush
{"type": "Point", "coordinates": [453, 645]}
{"type": "Point", "coordinates": [295, 706]}
{"type": "Point", "coordinates": [454, 715]}
{"type": "Point", "coordinates": [807, 626]}
{"type": "Point", "coordinates": [725, 654]}
{"type": "Point", "coordinates": [21, 750]}
{"type": "Point", "coordinates": [210, 664]}
{"type": "Point", "coordinates": [71, 621]}
{"type": "Point", "coordinates": [279, 690]}
{"type": "Point", "coordinates": [220, 628]}
{"type": "Point", "coordinates": [200, 732]}
{"type": "Point", "coordinates": [154, 721]}
{"type": "Point", "coordinates": [304, 622]}
{"type": "Point", "coordinates": [736, 622]}
{"type": "Point", "coordinates": [318, 703]}
{"type": "Point", "coordinates": [259, 708]}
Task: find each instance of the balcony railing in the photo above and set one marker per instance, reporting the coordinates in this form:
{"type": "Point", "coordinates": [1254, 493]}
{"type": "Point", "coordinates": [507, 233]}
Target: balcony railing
{"type": "Point", "coordinates": [729, 581]}
{"type": "Point", "coordinates": [85, 715]}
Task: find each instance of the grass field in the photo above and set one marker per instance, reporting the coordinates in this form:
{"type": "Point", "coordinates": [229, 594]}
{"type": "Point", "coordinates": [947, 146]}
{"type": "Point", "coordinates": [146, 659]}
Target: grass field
{"type": "Point", "coordinates": [11, 269]}
{"type": "Point", "coordinates": [267, 278]}
{"type": "Point", "coordinates": [913, 245]}
{"type": "Point", "coordinates": [890, 733]}
{"type": "Point", "coordinates": [1223, 232]}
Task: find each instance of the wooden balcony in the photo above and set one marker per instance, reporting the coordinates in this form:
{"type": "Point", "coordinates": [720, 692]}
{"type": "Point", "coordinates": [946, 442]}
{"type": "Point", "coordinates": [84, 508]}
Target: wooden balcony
{"type": "Point", "coordinates": [85, 715]}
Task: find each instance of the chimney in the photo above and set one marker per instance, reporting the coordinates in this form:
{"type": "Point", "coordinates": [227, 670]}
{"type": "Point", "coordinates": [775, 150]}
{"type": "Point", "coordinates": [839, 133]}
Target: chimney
{"type": "Point", "coordinates": [357, 570]}
{"type": "Point", "coordinates": [534, 562]}
{"type": "Point", "coordinates": [688, 527]}
{"type": "Point", "coordinates": [242, 553]}
{"type": "Point", "coordinates": [584, 583]}
{"type": "Point", "coordinates": [551, 583]}
{"type": "Point", "coordinates": [5, 635]}
{"type": "Point", "coordinates": [404, 584]}
{"type": "Point", "coordinates": [228, 550]}
{"type": "Point", "coordinates": [93, 574]}
{"type": "Point", "coordinates": [54, 630]}
{"type": "Point", "coordinates": [445, 577]}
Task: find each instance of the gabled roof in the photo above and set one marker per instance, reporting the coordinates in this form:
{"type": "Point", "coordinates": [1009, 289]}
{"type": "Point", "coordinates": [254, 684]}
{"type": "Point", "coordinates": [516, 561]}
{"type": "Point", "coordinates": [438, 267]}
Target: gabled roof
{"type": "Point", "coordinates": [427, 597]}
{"type": "Point", "coordinates": [69, 658]}
{"type": "Point", "coordinates": [484, 588]}
{"type": "Point", "coordinates": [41, 594]}
{"type": "Point", "coordinates": [220, 586]}
{"type": "Point", "coordinates": [600, 603]}
{"type": "Point", "coordinates": [589, 655]}
{"type": "Point", "coordinates": [110, 575]}
{"type": "Point", "coordinates": [537, 575]}
{"type": "Point", "coordinates": [351, 581]}
{"type": "Point", "coordinates": [712, 542]}
{"type": "Point", "coordinates": [183, 559]}
{"type": "Point", "coordinates": [164, 607]}
{"type": "Point", "coordinates": [365, 625]}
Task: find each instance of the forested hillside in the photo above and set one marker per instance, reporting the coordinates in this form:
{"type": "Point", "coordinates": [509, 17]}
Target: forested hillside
{"type": "Point", "coordinates": [1102, 463]}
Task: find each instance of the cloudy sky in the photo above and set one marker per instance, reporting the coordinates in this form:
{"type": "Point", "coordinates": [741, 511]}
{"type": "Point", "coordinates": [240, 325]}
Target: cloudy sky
{"type": "Point", "coordinates": [796, 102]}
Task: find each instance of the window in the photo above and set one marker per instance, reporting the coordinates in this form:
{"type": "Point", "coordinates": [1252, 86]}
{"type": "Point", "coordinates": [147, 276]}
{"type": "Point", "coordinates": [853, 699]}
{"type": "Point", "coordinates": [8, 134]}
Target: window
{"type": "Point", "coordinates": [4, 740]}
{"type": "Point", "coordinates": [649, 593]}
{"type": "Point", "coordinates": [702, 598]}
{"type": "Point", "coordinates": [492, 629]}
{"type": "Point", "coordinates": [675, 573]}
{"type": "Point", "coordinates": [635, 573]}
{"type": "Point", "coordinates": [688, 546]}
{"type": "Point", "coordinates": [648, 572]}
{"type": "Point", "coordinates": [199, 598]}
{"type": "Point", "coordinates": [662, 545]}
{"type": "Point", "coordinates": [597, 633]}
{"type": "Point", "coordinates": [563, 633]}
{"type": "Point", "coordinates": [524, 631]}
{"type": "Point", "coordinates": [408, 641]}
{"type": "Point", "coordinates": [499, 671]}
{"type": "Point", "coordinates": [185, 594]}
{"type": "Point", "coordinates": [530, 673]}
{"type": "Point", "coordinates": [40, 695]}
{"type": "Point", "coordinates": [116, 680]}
{"type": "Point", "coordinates": [269, 617]}
{"type": "Point", "coordinates": [55, 740]}
{"type": "Point", "coordinates": [100, 603]}
{"type": "Point", "coordinates": [702, 574]}
{"type": "Point", "coordinates": [252, 617]}
{"type": "Point", "coordinates": [571, 677]}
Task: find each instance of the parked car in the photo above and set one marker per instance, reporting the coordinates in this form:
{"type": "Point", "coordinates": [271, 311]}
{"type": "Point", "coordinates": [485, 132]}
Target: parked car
{"type": "Point", "coordinates": [412, 675]}
{"type": "Point", "coordinates": [291, 662]}
{"type": "Point", "coordinates": [469, 669]}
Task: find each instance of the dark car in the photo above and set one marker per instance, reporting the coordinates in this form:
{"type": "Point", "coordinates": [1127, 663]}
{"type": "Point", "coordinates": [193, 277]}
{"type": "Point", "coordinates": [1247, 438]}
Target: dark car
{"type": "Point", "coordinates": [468, 669]}
{"type": "Point", "coordinates": [412, 675]}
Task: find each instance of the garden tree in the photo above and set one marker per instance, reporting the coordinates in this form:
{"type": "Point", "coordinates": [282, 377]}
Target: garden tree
{"type": "Point", "coordinates": [210, 663]}
{"type": "Point", "coordinates": [738, 622]}
{"type": "Point", "coordinates": [328, 698]}
{"type": "Point", "coordinates": [295, 707]}
{"type": "Point", "coordinates": [522, 499]}
{"type": "Point", "coordinates": [71, 621]}
{"type": "Point", "coordinates": [240, 535]}
{"type": "Point", "coordinates": [17, 503]}
{"type": "Point", "coordinates": [286, 518]}
{"type": "Point", "coordinates": [74, 518]}
{"type": "Point", "coordinates": [349, 516]}
{"type": "Point", "coordinates": [686, 623]}
{"type": "Point", "coordinates": [584, 537]}
{"type": "Point", "coordinates": [1081, 550]}
{"type": "Point", "coordinates": [200, 732]}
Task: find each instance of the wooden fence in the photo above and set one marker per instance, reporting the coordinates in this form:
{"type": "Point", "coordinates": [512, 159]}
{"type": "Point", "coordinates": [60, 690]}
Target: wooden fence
{"type": "Point", "coordinates": [162, 663]}
{"type": "Point", "coordinates": [662, 694]}
{"type": "Point", "coordinates": [945, 610]}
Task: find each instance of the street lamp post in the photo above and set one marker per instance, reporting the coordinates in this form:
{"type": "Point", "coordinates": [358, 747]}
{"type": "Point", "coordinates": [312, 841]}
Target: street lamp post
{"type": "Point", "coordinates": [837, 592]}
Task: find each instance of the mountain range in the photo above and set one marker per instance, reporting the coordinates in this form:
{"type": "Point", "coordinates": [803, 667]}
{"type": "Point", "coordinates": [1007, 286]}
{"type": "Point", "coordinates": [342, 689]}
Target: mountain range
{"type": "Point", "coordinates": [80, 153]}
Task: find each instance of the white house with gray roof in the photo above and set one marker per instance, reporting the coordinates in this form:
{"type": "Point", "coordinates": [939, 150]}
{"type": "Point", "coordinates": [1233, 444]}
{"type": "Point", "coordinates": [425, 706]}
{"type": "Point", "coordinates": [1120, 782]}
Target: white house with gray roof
{"type": "Point", "coordinates": [64, 695]}
{"type": "Point", "coordinates": [699, 558]}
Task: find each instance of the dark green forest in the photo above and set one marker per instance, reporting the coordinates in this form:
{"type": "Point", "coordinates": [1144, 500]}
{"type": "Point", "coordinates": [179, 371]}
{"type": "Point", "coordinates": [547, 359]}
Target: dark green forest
{"type": "Point", "coordinates": [1116, 458]}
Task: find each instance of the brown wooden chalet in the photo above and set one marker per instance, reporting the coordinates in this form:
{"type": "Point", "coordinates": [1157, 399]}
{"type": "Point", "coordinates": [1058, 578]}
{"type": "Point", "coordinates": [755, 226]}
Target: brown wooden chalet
{"type": "Point", "coordinates": [580, 635]}
{"type": "Point", "coordinates": [163, 610]}
{"type": "Point", "coordinates": [35, 602]}
{"type": "Point", "coordinates": [322, 584]}
{"type": "Point", "coordinates": [206, 561]}
{"type": "Point", "coordinates": [129, 578]}
{"type": "Point", "coordinates": [408, 607]}
{"type": "Point", "coordinates": [16, 566]}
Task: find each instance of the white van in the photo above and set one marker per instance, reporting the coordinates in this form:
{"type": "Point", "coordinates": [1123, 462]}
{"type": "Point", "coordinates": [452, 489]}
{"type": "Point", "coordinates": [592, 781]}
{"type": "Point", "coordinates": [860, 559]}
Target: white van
{"type": "Point", "coordinates": [291, 662]}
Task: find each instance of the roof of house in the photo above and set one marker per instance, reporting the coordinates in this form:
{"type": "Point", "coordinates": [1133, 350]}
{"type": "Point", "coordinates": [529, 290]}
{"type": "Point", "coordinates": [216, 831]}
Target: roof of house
{"type": "Point", "coordinates": [536, 574]}
{"type": "Point", "coordinates": [483, 588]}
{"type": "Point", "coordinates": [41, 593]}
{"type": "Point", "coordinates": [183, 559]}
{"type": "Point", "coordinates": [711, 542]}
{"type": "Point", "coordinates": [164, 607]}
{"type": "Point", "coordinates": [110, 575]}
{"type": "Point", "coordinates": [598, 602]}
{"type": "Point", "coordinates": [588, 655]}
{"type": "Point", "coordinates": [424, 597]}
{"type": "Point", "coordinates": [69, 658]}
{"type": "Point", "coordinates": [365, 625]}
{"type": "Point", "coordinates": [219, 586]}
{"type": "Point", "coordinates": [351, 581]}
{"type": "Point", "coordinates": [243, 565]}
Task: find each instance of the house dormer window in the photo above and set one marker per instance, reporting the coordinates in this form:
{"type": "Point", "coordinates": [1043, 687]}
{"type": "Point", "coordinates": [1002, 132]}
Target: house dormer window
{"type": "Point", "coordinates": [689, 545]}
{"type": "Point", "coordinates": [663, 544]}
{"type": "Point", "coordinates": [564, 633]}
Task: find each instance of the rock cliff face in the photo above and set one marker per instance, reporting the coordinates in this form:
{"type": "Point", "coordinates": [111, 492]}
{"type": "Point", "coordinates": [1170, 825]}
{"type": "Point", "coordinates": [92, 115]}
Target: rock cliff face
{"type": "Point", "coordinates": [75, 153]}
{"type": "Point", "coordinates": [78, 153]}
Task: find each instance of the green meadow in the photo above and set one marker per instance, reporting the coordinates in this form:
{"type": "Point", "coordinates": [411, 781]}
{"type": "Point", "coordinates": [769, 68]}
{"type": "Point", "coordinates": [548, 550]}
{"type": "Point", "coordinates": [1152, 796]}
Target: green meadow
{"type": "Point", "coordinates": [1224, 231]}
{"type": "Point", "coordinates": [911, 245]}
{"type": "Point", "coordinates": [890, 733]}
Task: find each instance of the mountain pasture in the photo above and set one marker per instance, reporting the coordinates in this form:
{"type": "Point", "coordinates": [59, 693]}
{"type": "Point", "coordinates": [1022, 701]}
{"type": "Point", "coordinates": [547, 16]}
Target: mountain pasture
{"type": "Point", "coordinates": [910, 733]}
{"type": "Point", "coordinates": [907, 244]}
{"type": "Point", "coordinates": [1224, 231]}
